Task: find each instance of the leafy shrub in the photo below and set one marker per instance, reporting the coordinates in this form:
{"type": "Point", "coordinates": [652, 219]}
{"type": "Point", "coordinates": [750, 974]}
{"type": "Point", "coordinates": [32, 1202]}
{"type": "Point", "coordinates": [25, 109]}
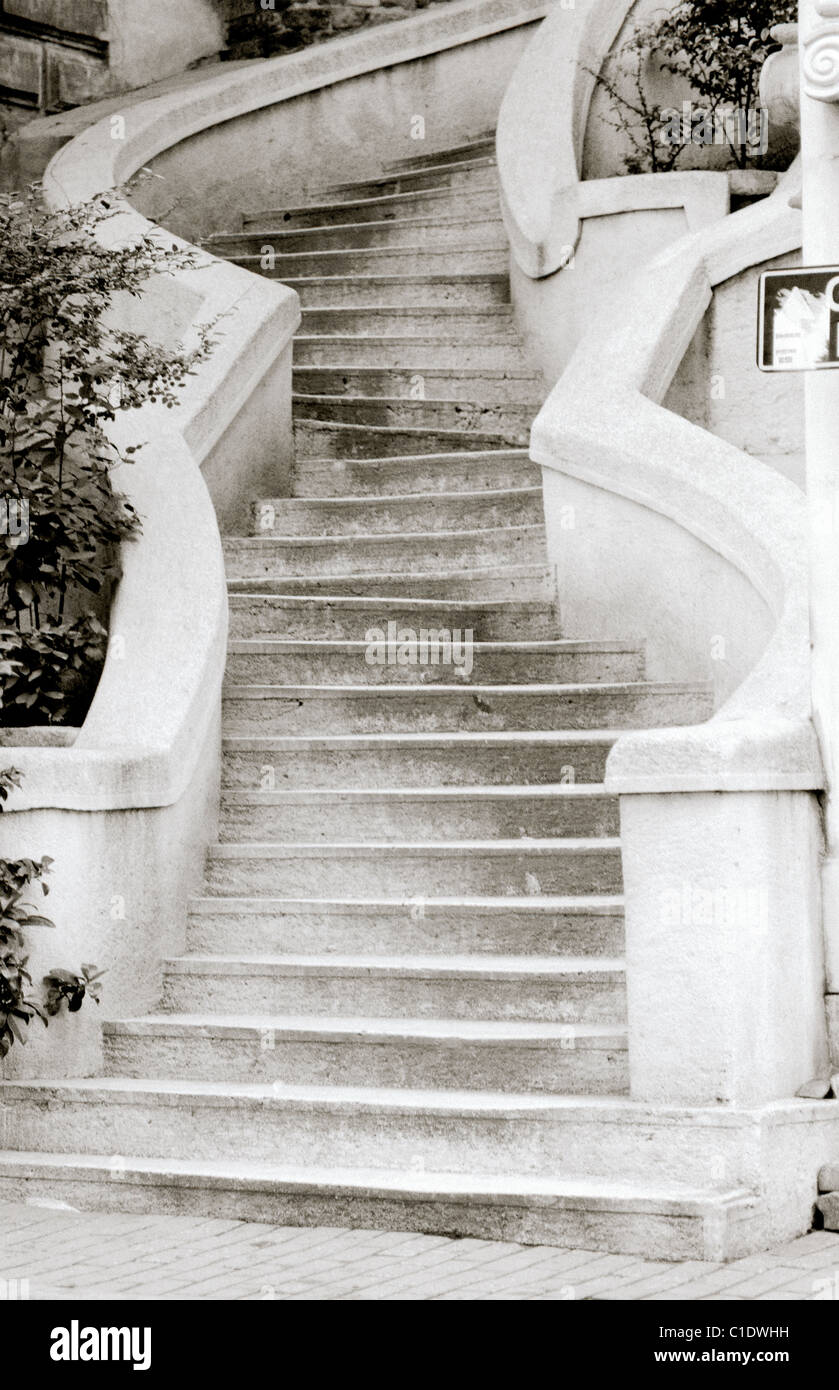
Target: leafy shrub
{"type": "Point", "coordinates": [48, 673]}
{"type": "Point", "coordinates": [717, 49]}
{"type": "Point", "coordinates": [17, 1008]}
{"type": "Point", "coordinates": [17, 917]}
{"type": "Point", "coordinates": [65, 375]}
{"type": "Point", "coordinates": [65, 987]}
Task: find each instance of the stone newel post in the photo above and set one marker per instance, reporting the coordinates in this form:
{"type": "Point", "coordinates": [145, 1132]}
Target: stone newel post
{"type": "Point", "coordinates": [819, 40]}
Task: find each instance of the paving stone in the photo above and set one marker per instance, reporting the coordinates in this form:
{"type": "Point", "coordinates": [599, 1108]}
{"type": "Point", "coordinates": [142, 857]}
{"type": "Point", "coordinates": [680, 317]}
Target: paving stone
{"type": "Point", "coordinates": [633, 1286]}
{"type": "Point", "coordinates": [135, 1258]}
{"type": "Point", "coordinates": [758, 1284]}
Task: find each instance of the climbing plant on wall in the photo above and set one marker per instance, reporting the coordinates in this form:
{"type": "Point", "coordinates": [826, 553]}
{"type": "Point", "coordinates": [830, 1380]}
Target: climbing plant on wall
{"type": "Point", "coordinates": [18, 1005]}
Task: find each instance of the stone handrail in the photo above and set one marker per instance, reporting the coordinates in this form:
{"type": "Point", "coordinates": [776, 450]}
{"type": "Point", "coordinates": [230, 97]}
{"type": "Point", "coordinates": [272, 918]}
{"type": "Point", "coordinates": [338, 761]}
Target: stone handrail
{"type": "Point", "coordinates": [541, 128]}
{"type": "Point", "coordinates": [603, 423]}
{"type": "Point", "coordinates": [720, 829]}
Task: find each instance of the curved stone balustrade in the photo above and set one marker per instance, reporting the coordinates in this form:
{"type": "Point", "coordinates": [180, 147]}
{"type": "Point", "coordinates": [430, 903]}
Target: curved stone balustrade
{"type": "Point", "coordinates": [723, 812]}
{"type": "Point", "coordinates": [603, 422]}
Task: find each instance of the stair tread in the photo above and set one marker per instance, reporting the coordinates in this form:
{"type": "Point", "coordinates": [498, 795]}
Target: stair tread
{"type": "Point", "coordinates": [439, 689]}
{"type": "Point", "coordinates": [671, 1198]}
{"type": "Point", "coordinates": [279, 1093]}
{"type": "Point", "coordinates": [309, 1025]}
{"type": "Point", "coordinates": [361, 602]}
{"type": "Point", "coordinates": [386, 200]}
{"type": "Point", "coordinates": [411, 499]}
{"type": "Point", "coordinates": [391, 340]}
{"type": "Point", "coordinates": [408, 249]}
{"type": "Point", "coordinates": [559, 645]}
{"type": "Point", "coordinates": [304, 398]}
{"type": "Point", "coordinates": [545, 791]}
{"type": "Point", "coordinates": [392, 278]}
{"type": "Point", "coordinates": [606, 904]}
{"type": "Point", "coordinates": [419, 161]}
{"type": "Point", "coordinates": [354, 368]}
{"type": "Point", "coordinates": [260, 588]}
{"type": "Point", "coordinates": [448, 849]}
{"type": "Point", "coordinates": [493, 311]}
{"type": "Point", "coordinates": [266, 585]}
{"type": "Point", "coordinates": [479, 738]}
{"type": "Point", "coordinates": [254, 231]}
{"type": "Point", "coordinates": [483, 966]}
{"type": "Point", "coordinates": [468, 456]}
{"type": "Point", "coordinates": [529, 528]}
{"type": "Point", "coordinates": [479, 162]}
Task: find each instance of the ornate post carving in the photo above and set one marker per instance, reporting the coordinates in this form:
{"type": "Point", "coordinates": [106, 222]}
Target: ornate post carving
{"type": "Point", "coordinates": [820, 55]}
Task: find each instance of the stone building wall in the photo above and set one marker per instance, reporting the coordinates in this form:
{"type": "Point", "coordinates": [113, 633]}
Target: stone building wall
{"type": "Point", "coordinates": [256, 29]}
{"type": "Point", "coordinates": [59, 54]}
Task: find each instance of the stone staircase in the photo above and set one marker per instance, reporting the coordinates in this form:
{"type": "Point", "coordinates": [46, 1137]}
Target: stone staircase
{"type": "Point", "coordinates": [402, 1002]}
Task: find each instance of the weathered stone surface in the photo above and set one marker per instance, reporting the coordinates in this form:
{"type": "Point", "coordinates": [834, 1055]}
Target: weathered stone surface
{"type": "Point", "coordinates": [829, 1177]}
{"type": "Point", "coordinates": [88, 17]}
{"type": "Point", "coordinates": [20, 64]}
{"type": "Point", "coordinates": [818, 1088]}
{"type": "Point", "coordinates": [77, 78]}
{"type": "Point", "coordinates": [828, 1205]}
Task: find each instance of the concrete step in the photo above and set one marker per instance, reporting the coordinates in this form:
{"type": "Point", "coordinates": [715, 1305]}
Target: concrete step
{"type": "Point", "coordinates": [449, 708]}
{"type": "Point", "coordinates": [416, 760]}
{"type": "Point", "coordinates": [393, 516]}
{"type": "Point", "coordinates": [423, 869]}
{"type": "Point", "coordinates": [417, 553]}
{"type": "Point", "coordinates": [483, 145]}
{"type": "Point", "coordinates": [496, 349]}
{"type": "Point", "coordinates": [488, 385]}
{"type": "Point", "coordinates": [589, 925]}
{"type": "Point", "coordinates": [528, 583]}
{"type": "Point", "coordinates": [667, 1222]}
{"type": "Point", "coordinates": [376, 260]}
{"type": "Point", "coordinates": [471, 291]}
{"type": "Point", "coordinates": [432, 233]}
{"type": "Point", "coordinates": [446, 1054]}
{"type": "Point", "coordinates": [425, 323]}
{"type": "Point", "coordinates": [458, 174]}
{"type": "Point", "coordinates": [267, 617]}
{"type": "Point", "coordinates": [452, 813]}
{"type": "Point", "coordinates": [604, 1137]}
{"type": "Point", "coordinates": [455, 1130]}
{"type": "Point", "coordinates": [496, 988]}
{"type": "Point", "coordinates": [478, 201]}
{"type": "Point", "coordinates": [321, 439]}
{"type": "Point", "coordinates": [508, 418]}
{"type": "Point", "coordinates": [495, 470]}
{"type": "Point", "coordinates": [265, 662]}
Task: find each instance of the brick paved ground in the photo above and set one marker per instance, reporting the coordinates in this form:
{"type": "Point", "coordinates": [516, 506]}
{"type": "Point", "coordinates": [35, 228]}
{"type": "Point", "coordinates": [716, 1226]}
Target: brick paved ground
{"type": "Point", "coordinates": [71, 1255]}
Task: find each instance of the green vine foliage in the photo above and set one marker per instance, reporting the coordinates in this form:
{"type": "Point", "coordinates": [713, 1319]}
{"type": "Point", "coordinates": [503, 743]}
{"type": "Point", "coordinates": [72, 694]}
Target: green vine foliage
{"type": "Point", "coordinates": [65, 375]}
{"type": "Point", "coordinates": [17, 917]}
{"type": "Point", "coordinates": [717, 49]}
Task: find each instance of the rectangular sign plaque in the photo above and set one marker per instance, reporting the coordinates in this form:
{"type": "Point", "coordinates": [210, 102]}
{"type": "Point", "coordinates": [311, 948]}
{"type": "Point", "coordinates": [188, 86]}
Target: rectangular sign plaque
{"type": "Point", "coordinates": [798, 319]}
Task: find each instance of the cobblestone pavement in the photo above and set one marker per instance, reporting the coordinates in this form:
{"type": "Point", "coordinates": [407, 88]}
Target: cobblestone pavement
{"type": "Point", "coordinates": [52, 1253]}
